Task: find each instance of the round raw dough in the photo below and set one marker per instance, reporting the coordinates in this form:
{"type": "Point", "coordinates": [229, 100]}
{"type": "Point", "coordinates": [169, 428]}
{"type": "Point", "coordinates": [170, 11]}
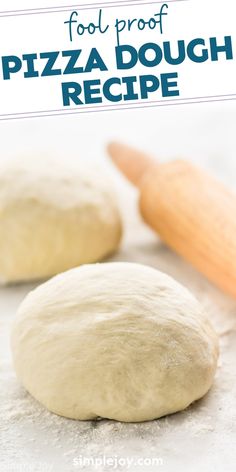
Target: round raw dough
{"type": "Point", "coordinates": [54, 215]}
{"type": "Point", "coordinates": [116, 340]}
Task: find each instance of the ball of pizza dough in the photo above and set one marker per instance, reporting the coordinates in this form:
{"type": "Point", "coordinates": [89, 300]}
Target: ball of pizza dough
{"type": "Point", "coordinates": [53, 216]}
{"type": "Point", "coordinates": [116, 340]}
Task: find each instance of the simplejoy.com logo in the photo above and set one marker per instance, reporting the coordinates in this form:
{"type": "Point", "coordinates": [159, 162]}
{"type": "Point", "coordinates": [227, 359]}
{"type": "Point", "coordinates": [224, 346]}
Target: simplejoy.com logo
{"type": "Point", "coordinates": [116, 462]}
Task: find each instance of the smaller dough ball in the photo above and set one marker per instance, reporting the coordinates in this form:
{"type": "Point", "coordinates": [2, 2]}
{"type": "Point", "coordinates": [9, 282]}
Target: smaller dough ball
{"type": "Point", "coordinates": [117, 340]}
{"type": "Point", "coordinates": [54, 215]}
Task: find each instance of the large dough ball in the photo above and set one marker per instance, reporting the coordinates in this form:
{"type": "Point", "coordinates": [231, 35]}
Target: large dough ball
{"type": "Point", "coordinates": [116, 340]}
{"type": "Point", "coordinates": [54, 215]}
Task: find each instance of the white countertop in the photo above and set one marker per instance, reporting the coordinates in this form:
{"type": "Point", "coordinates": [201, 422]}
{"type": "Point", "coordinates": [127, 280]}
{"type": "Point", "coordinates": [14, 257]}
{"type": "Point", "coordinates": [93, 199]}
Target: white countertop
{"type": "Point", "coordinates": [203, 437]}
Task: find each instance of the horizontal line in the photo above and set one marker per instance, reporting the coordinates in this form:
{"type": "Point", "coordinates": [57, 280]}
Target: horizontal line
{"type": "Point", "coordinates": [103, 6]}
{"type": "Point", "coordinates": [147, 105]}
{"type": "Point", "coordinates": [64, 6]}
{"type": "Point", "coordinates": [94, 5]}
{"type": "Point", "coordinates": [114, 106]}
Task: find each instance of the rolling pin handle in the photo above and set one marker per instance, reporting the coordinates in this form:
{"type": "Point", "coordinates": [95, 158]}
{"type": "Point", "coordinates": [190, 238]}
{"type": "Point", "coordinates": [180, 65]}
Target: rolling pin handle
{"type": "Point", "coordinates": [132, 163]}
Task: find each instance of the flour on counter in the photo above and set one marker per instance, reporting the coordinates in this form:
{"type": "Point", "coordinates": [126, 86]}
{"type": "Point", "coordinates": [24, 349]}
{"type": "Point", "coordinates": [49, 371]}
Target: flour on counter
{"type": "Point", "coordinates": [199, 438]}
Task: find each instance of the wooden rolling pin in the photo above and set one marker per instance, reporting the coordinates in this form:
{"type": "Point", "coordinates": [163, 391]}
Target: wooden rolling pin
{"type": "Point", "coordinates": [190, 210]}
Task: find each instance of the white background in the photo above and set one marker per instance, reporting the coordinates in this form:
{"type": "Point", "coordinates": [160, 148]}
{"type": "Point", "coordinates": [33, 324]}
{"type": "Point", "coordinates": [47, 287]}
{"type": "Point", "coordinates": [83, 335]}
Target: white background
{"type": "Point", "coordinates": [46, 32]}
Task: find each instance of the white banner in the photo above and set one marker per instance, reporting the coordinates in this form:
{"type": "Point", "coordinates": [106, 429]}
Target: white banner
{"type": "Point", "coordinates": [115, 55]}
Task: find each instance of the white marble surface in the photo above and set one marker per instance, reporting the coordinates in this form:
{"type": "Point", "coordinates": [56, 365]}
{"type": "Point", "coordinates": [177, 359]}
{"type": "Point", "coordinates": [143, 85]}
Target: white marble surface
{"type": "Point", "coordinates": [204, 436]}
